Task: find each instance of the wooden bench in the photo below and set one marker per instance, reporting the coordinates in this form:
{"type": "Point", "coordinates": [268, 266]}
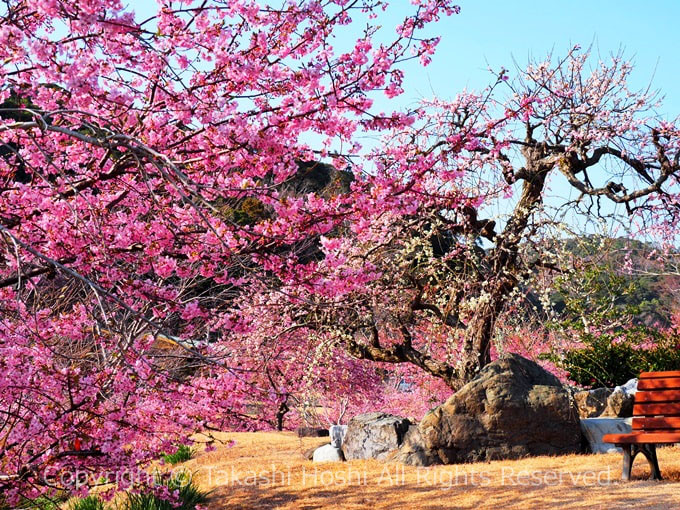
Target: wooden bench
{"type": "Point", "coordinates": [656, 420]}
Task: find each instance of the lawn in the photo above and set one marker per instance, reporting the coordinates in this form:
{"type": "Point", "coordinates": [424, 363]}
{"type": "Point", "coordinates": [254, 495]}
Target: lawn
{"type": "Point", "coordinates": [267, 470]}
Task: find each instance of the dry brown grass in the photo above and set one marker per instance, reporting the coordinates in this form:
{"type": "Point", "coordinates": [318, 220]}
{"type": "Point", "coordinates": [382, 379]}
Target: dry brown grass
{"type": "Point", "coordinates": [267, 471]}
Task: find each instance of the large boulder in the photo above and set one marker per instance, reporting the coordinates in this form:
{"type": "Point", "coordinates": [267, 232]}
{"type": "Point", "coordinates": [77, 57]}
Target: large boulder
{"type": "Point", "coordinates": [592, 403]}
{"type": "Point", "coordinates": [374, 436]}
{"type": "Point", "coordinates": [513, 408]}
{"type": "Point", "coordinates": [413, 450]}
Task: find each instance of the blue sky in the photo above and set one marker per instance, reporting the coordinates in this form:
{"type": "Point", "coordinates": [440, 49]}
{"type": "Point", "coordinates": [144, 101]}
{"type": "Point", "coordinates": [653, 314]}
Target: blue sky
{"type": "Point", "coordinates": [505, 33]}
{"type": "Point", "coordinates": [497, 33]}
{"type": "Point", "coordinates": [493, 32]}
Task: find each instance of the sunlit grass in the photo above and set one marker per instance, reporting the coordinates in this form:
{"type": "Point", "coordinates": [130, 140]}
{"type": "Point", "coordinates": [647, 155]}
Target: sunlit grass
{"type": "Point", "coordinates": [267, 470]}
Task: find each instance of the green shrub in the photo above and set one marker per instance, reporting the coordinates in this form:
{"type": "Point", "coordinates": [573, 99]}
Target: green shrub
{"type": "Point", "coordinates": [189, 495]}
{"type": "Point", "coordinates": [182, 454]}
{"type": "Point", "coordinates": [611, 359]}
{"type": "Point", "coordinates": [89, 503]}
{"type": "Point", "coordinates": [604, 309]}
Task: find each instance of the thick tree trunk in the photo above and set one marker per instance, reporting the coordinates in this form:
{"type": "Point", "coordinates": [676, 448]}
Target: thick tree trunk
{"type": "Point", "coordinates": [503, 262]}
{"type": "Point", "coordinates": [480, 331]}
{"type": "Point", "coordinates": [477, 347]}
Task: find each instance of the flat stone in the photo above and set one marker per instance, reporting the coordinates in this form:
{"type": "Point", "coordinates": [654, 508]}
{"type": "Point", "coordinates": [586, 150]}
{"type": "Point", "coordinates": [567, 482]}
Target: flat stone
{"type": "Point", "coordinates": [595, 428]}
{"type": "Point", "coordinates": [328, 453]}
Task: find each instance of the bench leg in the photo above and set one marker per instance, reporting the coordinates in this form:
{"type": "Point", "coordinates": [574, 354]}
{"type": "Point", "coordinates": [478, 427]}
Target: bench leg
{"type": "Point", "coordinates": [628, 457]}
{"type": "Point", "coordinates": [649, 451]}
{"type": "Point", "coordinates": [629, 454]}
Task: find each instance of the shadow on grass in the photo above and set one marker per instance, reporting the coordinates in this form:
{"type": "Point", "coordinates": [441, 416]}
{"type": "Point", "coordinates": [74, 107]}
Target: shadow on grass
{"type": "Point", "coordinates": [638, 494]}
{"type": "Point", "coordinates": [301, 484]}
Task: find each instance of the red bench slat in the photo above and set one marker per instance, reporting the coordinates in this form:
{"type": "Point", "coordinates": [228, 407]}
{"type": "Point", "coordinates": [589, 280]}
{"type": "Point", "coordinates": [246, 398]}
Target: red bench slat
{"type": "Point", "coordinates": [657, 409]}
{"type": "Point", "coordinates": [659, 383]}
{"type": "Point", "coordinates": [643, 437]}
{"type": "Point", "coordinates": [656, 375]}
{"type": "Point", "coordinates": [658, 396]}
{"type": "Point", "coordinates": [670, 424]}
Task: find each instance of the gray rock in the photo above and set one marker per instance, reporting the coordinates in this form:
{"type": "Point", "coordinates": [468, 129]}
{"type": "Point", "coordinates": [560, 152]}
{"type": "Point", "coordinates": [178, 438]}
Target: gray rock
{"type": "Point", "coordinates": [374, 436]}
{"type": "Point", "coordinates": [595, 428]}
{"type": "Point", "coordinates": [592, 403]}
{"type": "Point", "coordinates": [620, 402]}
{"type": "Point", "coordinates": [512, 409]}
{"type": "Point", "coordinates": [619, 405]}
{"type": "Point", "coordinates": [337, 433]}
{"type": "Point", "coordinates": [328, 453]}
{"type": "Point", "coordinates": [630, 387]}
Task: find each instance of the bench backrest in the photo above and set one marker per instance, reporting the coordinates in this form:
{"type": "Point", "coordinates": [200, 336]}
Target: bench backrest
{"type": "Point", "coordinates": [657, 402]}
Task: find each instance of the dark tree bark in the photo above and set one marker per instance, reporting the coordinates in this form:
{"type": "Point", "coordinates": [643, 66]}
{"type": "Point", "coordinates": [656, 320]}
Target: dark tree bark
{"type": "Point", "coordinates": [281, 414]}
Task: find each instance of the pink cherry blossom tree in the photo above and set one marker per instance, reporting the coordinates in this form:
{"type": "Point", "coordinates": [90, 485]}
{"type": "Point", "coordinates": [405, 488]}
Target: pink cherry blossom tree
{"type": "Point", "coordinates": [178, 255]}
{"type": "Point", "coordinates": [143, 169]}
